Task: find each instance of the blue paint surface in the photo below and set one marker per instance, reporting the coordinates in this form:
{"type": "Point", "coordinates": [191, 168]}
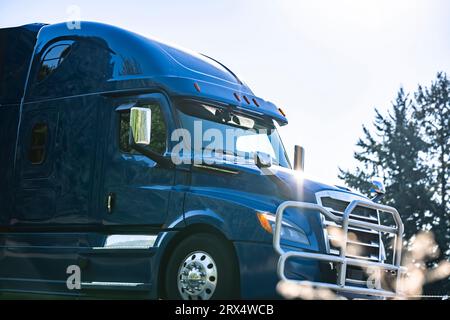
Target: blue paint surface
{"type": "Point", "coordinates": [54, 215]}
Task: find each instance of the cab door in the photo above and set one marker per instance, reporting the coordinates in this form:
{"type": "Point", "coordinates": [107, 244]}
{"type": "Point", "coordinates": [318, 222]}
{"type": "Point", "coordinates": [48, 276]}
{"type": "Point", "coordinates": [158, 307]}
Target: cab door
{"type": "Point", "coordinates": [136, 189]}
{"type": "Point", "coordinates": [35, 257]}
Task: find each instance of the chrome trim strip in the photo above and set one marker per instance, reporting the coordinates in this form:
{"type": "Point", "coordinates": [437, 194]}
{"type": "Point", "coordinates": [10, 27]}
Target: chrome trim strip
{"type": "Point", "coordinates": [128, 241]}
{"type": "Point", "coordinates": [352, 215]}
{"type": "Point", "coordinates": [111, 284]}
{"type": "Point", "coordinates": [215, 168]}
{"type": "Point", "coordinates": [333, 224]}
{"type": "Point", "coordinates": [338, 195]}
{"type": "Point", "coordinates": [359, 282]}
{"type": "Point", "coordinates": [358, 243]}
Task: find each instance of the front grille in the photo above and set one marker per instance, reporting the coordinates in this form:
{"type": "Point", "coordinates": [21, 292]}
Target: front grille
{"type": "Point", "coordinates": [339, 206]}
{"type": "Point", "coordinates": [362, 243]}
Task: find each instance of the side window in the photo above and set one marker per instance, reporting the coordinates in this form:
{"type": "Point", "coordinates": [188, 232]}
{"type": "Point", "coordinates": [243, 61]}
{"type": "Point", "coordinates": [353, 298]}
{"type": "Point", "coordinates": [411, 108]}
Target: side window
{"type": "Point", "coordinates": [158, 138]}
{"type": "Point", "coordinates": [38, 145]}
{"type": "Point", "coordinates": [53, 59]}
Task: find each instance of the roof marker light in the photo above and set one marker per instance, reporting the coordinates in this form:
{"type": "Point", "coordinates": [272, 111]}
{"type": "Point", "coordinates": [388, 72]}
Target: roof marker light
{"type": "Point", "coordinates": [246, 100]}
{"type": "Point", "coordinates": [255, 102]}
{"type": "Point", "coordinates": [197, 87]}
{"type": "Point", "coordinates": [282, 112]}
{"type": "Point", "coordinates": [237, 97]}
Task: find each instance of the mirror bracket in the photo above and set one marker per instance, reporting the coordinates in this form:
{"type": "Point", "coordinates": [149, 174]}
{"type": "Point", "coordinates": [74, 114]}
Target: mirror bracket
{"type": "Point", "coordinates": [158, 158]}
{"type": "Point", "coordinates": [263, 160]}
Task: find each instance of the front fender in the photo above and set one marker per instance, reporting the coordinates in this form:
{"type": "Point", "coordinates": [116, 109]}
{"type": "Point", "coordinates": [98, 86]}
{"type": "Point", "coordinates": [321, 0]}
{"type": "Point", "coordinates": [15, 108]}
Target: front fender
{"type": "Point", "coordinates": [208, 217]}
{"type": "Point", "coordinates": [236, 221]}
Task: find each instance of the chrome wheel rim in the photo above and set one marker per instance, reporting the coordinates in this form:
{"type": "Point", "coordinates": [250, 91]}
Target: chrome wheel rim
{"type": "Point", "coordinates": [197, 276]}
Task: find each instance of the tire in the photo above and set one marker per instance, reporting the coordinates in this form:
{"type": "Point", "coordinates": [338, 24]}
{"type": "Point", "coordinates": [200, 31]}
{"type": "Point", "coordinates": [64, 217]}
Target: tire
{"type": "Point", "coordinates": [202, 267]}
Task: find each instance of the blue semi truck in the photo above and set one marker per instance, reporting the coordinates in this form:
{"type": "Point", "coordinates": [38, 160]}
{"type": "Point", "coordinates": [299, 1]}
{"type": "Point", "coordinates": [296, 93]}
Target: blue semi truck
{"type": "Point", "coordinates": [104, 191]}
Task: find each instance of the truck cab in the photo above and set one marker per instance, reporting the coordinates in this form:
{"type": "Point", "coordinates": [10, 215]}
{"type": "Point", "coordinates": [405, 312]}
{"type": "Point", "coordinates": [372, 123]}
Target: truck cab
{"type": "Point", "coordinates": [134, 168]}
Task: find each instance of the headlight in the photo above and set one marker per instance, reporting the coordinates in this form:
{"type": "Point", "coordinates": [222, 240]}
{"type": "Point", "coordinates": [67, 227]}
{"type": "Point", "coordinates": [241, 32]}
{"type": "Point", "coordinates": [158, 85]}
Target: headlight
{"type": "Point", "coordinates": [288, 231]}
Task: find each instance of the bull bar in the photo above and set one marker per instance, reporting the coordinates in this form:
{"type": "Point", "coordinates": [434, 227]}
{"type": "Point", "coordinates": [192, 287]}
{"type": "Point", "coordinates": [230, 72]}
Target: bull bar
{"type": "Point", "coordinates": [342, 260]}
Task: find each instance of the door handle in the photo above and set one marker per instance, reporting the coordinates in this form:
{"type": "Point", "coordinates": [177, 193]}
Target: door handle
{"type": "Point", "coordinates": [110, 202]}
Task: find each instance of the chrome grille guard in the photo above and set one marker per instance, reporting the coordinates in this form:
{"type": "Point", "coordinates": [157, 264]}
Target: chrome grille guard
{"type": "Point", "coordinates": [342, 260]}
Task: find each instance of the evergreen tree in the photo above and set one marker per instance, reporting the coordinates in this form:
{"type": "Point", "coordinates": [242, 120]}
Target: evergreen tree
{"type": "Point", "coordinates": [394, 153]}
{"type": "Point", "coordinates": [433, 114]}
{"type": "Point", "coordinates": [410, 150]}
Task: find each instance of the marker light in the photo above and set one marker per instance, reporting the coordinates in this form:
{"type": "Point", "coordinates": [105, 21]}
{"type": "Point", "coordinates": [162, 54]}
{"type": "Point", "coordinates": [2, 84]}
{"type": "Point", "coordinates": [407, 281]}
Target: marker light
{"type": "Point", "coordinates": [255, 102]}
{"type": "Point", "coordinates": [282, 112]}
{"type": "Point", "coordinates": [197, 87]}
{"type": "Point", "coordinates": [289, 232]}
{"type": "Point", "coordinates": [246, 100]}
{"type": "Point", "coordinates": [264, 221]}
{"type": "Point", "coordinates": [238, 98]}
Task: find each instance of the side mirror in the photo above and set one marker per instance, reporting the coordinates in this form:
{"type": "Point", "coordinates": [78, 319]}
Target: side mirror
{"type": "Point", "coordinates": [299, 158]}
{"type": "Point", "coordinates": [140, 126]}
{"type": "Point", "coordinates": [263, 160]}
{"type": "Point", "coordinates": [377, 188]}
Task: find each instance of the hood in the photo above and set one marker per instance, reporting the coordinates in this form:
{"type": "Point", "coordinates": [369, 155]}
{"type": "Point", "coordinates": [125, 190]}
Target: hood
{"type": "Point", "coordinates": [271, 186]}
{"type": "Point", "coordinates": [302, 188]}
{"type": "Point", "coordinates": [256, 188]}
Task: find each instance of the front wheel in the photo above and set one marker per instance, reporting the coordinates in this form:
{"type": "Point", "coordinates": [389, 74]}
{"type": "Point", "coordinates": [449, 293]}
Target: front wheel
{"type": "Point", "coordinates": [202, 267]}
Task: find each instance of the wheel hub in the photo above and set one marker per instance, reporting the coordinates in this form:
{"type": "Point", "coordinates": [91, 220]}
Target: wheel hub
{"type": "Point", "coordinates": [197, 276]}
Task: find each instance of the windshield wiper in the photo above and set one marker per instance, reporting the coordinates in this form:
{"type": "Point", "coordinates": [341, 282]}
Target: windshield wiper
{"type": "Point", "coordinates": [222, 151]}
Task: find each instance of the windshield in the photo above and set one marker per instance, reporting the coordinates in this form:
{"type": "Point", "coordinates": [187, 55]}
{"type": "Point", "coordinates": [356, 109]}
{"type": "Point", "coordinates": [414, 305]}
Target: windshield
{"type": "Point", "coordinates": [222, 132]}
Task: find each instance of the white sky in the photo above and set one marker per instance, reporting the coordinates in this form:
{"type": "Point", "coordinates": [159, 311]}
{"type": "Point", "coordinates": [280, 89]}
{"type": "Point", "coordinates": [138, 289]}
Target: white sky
{"type": "Point", "coordinates": [326, 63]}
